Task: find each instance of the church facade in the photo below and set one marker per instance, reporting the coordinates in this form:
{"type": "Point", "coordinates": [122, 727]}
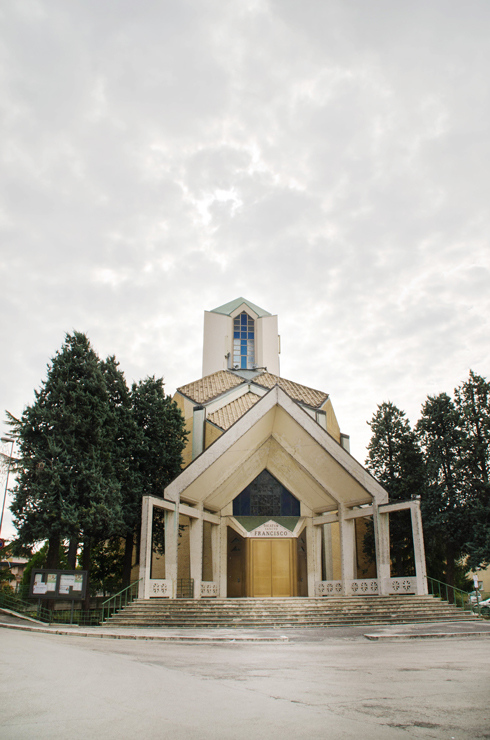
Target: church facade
{"type": "Point", "coordinates": [270, 502]}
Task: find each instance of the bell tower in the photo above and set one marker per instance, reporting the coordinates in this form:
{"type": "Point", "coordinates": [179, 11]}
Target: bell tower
{"type": "Point", "coordinates": [240, 336]}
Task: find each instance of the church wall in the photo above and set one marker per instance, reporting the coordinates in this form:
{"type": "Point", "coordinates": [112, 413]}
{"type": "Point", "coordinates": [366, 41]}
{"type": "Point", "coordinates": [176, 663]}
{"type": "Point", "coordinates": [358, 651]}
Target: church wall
{"type": "Point", "coordinates": [211, 433]}
{"type": "Point", "coordinates": [267, 349]}
{"type": "Point", "coordinates": [207, 561]}
{"type": "Point", "coordinates": [336, 557]}
{"type": "Point", "coordinates": [332, 424]}
{"type": "Point", "coordinates": [184, 559]}
{"type": "Point", "coordinates": [217, 342]}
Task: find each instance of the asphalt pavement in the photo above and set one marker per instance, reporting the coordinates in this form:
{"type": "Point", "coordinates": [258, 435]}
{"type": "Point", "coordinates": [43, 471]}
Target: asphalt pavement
{"type": "Point", "coordinates": [331, 683]}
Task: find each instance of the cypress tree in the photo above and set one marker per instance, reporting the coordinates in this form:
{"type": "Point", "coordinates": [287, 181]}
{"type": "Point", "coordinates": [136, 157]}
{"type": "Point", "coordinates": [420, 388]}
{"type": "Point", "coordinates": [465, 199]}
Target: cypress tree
{"type": "Point", "coordinates": [445, 514]}
{"type": "Point", "coordinates": [472, 399]}
{"type": "Point", "coordinates": [66, 485]}
{"type": "Point", "coordinates": [159, 456]}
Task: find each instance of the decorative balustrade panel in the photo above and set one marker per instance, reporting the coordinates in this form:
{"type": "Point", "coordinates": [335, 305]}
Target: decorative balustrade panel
{"type": "Point", "coordinates": [209, 589]}
{"type": "Point", "coordinates": [362, 587]}
{"type": "Point", "coordinates": [402, 585]}
{"type": "Point", "coordinates": [328, 588]}
{"type": "Point", "coordinates": [160, 587]}
{"type": "Point", "coordinates": [358, 587]}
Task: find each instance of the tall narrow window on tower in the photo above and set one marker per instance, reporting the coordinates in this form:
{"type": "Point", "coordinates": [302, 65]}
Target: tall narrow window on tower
{"type": "Point", "coordinates": [243, 341]}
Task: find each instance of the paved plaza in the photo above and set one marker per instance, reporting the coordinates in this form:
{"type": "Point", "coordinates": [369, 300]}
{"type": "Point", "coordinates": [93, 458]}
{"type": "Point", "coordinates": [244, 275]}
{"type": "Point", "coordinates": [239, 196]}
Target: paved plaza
{"type": "Point", "coordinates": [317, 684]}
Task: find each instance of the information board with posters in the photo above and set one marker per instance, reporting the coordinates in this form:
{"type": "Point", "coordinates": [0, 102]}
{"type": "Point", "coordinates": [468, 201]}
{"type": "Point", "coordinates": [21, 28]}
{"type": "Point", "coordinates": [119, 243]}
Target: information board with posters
{"type": "Point", "coordinates": [58, 584]}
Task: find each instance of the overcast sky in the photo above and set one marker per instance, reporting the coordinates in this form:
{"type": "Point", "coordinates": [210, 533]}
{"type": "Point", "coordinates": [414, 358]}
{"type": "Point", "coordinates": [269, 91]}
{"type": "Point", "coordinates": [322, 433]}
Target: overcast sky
{"type": "Point", "coordinates": [328, 160]}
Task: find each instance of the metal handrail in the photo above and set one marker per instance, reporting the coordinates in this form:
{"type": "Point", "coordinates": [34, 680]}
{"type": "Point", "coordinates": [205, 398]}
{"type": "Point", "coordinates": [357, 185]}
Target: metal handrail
{"type": "Point", "coordinates": [126, 596]}
{"type": "Point", "coordinates": [464, 596]}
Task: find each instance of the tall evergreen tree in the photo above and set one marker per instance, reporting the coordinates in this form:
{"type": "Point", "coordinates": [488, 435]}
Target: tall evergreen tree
{"type": "Point", "coordinates": [395, 459]}
{"type": "Point", "coordinates": [162, 426]}
{"type": "Point", "coordinates": [445, 515]}
{"type": "Point", "coordinates": [159, 457]}
{"type": "Point", "coordinates": [66, 483]}
{"type": "Point", "coordinates": [472, 399]}
{"type": "Point", "coordinates": [127, 440]}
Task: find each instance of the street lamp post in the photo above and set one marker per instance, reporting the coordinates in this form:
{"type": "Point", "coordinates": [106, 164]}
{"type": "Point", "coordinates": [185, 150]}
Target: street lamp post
{"type": "Point", "coordinates": [11, 440]}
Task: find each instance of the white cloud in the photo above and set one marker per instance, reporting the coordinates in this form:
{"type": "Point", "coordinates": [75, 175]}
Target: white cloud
{"type": "Point", "coordinates": [327, 160]}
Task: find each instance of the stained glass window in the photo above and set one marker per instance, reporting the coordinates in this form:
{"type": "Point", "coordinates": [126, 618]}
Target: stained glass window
{"type": "Point", "coordinates": [243, 341]}
{"type": "Point", "coordinates": [265, 496]}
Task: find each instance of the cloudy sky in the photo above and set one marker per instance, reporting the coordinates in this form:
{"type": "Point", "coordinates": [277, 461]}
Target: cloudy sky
{"type": "Point", "coordinates": [328, 160]}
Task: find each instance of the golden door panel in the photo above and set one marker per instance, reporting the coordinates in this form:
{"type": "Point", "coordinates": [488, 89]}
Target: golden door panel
{"type": "Point", "coordinates": [281, 567]}
{"type": "Point", "coordinates": [261, 567]}
{"type": "Point", "coordinates": [272, 567]}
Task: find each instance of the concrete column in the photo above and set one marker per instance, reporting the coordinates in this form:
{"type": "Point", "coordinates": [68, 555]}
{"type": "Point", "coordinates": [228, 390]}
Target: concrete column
{"type": "Point", "coordinates": [145, 548]}
{"type": "Point", "coordinates": [418, 548]}
{"type": "Point", "coordinates": [328, 553]}
{"type": "Point", "coordinates": [172, 547]}
{"type": "Point", "coordinates": [198, 421]}
{"type": "Point", "coordinates": [223, 558]}
{"type": "Point", "coordinates": [382, 540]}
{"type": "Point", "coordinates": [196, 542]}
{"type": "Point", "coordinates": [313, 559]}
{"type": "Point", "coordinates": [347, 548]}
{"type": "Point", "coordinates": [215, 551]}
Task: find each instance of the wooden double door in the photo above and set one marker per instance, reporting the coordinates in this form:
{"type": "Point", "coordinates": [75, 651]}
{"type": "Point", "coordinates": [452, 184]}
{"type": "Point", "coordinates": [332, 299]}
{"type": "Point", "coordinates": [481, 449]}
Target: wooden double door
{"type": "Point", "coordinates": [271, 567]}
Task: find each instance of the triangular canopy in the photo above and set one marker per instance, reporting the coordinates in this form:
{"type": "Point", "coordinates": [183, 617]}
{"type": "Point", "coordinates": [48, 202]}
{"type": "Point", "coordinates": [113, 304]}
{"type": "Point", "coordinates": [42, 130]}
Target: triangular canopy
{"type": "Point", "coordinates": [278, 435]}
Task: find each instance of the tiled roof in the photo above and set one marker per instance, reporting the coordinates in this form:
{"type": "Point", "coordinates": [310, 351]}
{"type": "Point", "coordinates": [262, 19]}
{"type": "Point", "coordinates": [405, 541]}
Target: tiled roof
{"type": "Point", "coordinates": [229, 414]}
{"type": "Point", "coordinates": [299, 392]}
{"type": "Point", "coordinates": [203, 390]}
{"type": "Point", "coordinates": [212, 386]}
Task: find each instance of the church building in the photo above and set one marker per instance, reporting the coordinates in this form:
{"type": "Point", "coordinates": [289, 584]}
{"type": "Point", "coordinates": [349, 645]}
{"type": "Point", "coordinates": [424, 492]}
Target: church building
{"type": "Point", "coordinates": [270, 502]}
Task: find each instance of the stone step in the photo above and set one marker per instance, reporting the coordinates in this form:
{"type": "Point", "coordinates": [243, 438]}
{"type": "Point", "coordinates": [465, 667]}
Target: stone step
{"type": "Point", "coordinates": [265, 615]}
{"type": "Point", "coordinates": [296, 612]}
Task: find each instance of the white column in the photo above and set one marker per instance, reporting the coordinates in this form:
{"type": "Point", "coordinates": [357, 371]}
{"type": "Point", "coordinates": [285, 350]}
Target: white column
{"type": "Point", "coordinates": [196, 538]}
{"type": "Point", "coordinates": [171, 547]}
{"type": "Point", "coordinates": [418, 548]}
{"type": "Point", "coordinates": [223, 558]}
{"type": "Point", "coordinates": [327, 548]}
{"type": "Point", "coordinates": [382, 540]}
{"type": "Point", "coordinates": [215, 551]}
{"type": "Point", "coordinates": [313, 557]}
{"type": "Point", "coordinates": [145, 548]}
{"type": "Point", "coordinates": [347, 548]}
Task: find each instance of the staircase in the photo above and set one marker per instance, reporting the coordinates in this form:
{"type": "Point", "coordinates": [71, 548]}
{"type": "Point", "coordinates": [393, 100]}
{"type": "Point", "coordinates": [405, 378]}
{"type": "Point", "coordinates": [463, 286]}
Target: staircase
{"type": "Point", "coordinates": [286, 613]}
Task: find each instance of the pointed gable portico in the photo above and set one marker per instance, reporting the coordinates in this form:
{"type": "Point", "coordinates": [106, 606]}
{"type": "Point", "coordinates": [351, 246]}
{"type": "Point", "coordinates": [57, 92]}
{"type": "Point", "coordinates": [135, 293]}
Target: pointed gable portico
{"type": "Point", "coordinates": [278, 435]}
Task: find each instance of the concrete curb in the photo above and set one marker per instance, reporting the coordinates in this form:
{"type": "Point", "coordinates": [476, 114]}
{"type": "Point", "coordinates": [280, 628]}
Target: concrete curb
{"type": "Point", "coordinates": [20, 616]}
{"type": "Point", "coordinates": [163, 638]}
{"type": "Point", "coordinates": [428, 636]}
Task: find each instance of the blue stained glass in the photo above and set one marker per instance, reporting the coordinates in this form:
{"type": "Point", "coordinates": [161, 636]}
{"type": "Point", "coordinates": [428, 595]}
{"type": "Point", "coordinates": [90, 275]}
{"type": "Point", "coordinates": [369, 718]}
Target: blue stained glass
{"type": "Point", "coordinates": [250, 335]}
{"type": "Point", "coordinates": [243, 318]}
{"type": "Point", "coordinates": [244, 343]}
{"type": "Point", "coordinates": [244, 363]}
{"type": "Point", "coordinates": [236, 335]}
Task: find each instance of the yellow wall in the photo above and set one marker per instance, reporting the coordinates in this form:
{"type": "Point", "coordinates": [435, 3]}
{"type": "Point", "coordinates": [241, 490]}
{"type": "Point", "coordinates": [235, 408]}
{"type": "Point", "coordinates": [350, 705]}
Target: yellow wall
{"type": "Point", "coordinates": [332, 424]}
{"type": "Point", "coordinates": [211, 433]}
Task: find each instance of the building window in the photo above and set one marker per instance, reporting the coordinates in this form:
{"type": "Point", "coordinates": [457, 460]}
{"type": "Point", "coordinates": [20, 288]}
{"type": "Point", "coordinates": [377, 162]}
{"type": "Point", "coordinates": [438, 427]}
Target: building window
{"type": "Point", "coordinates": [265, 496]}
{"type": "Point", "coordinates": [243, 341]}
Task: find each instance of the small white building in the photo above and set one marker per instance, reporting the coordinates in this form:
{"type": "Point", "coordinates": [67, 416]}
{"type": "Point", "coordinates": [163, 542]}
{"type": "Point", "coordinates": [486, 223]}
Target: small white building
{"type": "Point", "coordinates": [270, 502]}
